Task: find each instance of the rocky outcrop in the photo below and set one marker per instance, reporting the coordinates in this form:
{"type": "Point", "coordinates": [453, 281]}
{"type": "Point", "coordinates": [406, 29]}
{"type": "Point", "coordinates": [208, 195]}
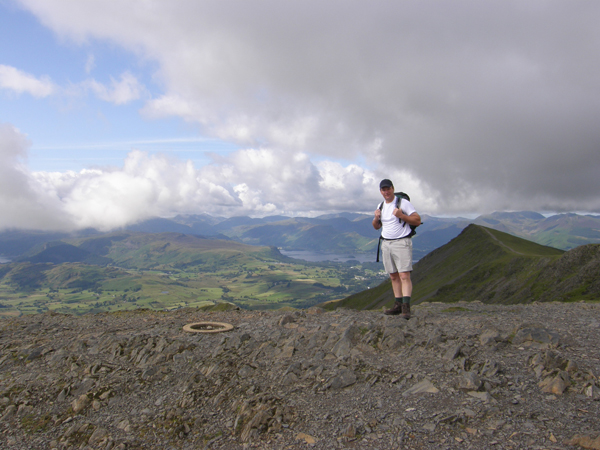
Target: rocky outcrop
{"type": "Point", "coordinates": [468, 374]}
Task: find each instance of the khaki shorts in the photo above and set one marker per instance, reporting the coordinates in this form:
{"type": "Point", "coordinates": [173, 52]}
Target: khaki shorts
{"type": "Point", "coordinates": [397, 255]}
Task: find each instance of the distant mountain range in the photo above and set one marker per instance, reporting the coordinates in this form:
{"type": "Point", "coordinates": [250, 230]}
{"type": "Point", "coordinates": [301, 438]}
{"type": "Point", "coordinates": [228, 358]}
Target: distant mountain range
{"type": "Point", "coordinates": [494, 267]}
{"type": "Point", "coordinates": [348, 233]}
{"type": "Point", "coordinates": [564, 231]}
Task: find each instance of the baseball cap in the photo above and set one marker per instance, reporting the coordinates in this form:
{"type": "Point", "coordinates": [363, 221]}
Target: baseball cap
{"type": "Point", "coordinates": [385, 183]}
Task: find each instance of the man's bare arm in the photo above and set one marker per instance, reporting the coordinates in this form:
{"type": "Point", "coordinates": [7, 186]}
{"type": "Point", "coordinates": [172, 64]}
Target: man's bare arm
{"type": "Point", "coordinates": [414, 219]}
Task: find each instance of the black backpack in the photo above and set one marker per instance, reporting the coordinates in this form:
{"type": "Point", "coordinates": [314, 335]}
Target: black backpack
{"type": "Point", "coordinates": [413, 228]}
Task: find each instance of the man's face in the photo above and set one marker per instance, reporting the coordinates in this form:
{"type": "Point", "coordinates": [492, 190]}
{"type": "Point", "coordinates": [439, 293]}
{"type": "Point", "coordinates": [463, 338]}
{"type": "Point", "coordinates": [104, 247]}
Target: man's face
{"type": "Point", "coordinates": [388, 193]}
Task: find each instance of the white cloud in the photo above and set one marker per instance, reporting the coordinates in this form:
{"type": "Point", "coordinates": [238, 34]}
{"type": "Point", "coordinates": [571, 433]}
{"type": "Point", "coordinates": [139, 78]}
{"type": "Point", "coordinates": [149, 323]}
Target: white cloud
{"type": "Point", "coordinates": [169, 105]}
{"type": "Point", "coordinates": [480, 105]}
{"type": "Point", "coordinates": [260, 181]}
{"type": "Point", "coordinates": [23, 202]}
{"type": "Point", "coordinates": [120, 92]}
{"type": "Point", "coordinates": [253, 181]}
{"type": "Point", "coordinates": [20, 82]}
{"type": "Point", "coordinates": [252, 199]}
{"type": "Point", "coordinates": [124, 90]}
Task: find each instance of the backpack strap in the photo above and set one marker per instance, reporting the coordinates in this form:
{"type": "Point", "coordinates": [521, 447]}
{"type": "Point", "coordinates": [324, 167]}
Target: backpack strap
{"type": "Point", "coordinates": [380, 237]}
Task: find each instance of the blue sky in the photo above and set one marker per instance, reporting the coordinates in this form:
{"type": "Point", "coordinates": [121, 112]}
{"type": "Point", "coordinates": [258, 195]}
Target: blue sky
{"type": "Point", "coordinates": [85, 131]}
{"type": "Point", "coordinates": [112, 112]}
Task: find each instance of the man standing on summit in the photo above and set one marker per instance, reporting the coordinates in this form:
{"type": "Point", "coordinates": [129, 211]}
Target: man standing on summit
{"type": "Point", "coordinates": [396, 217]}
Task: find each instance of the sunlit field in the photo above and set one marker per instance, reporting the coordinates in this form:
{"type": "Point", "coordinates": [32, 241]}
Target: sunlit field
{"type": "Point", "coordinates": [80, 289]}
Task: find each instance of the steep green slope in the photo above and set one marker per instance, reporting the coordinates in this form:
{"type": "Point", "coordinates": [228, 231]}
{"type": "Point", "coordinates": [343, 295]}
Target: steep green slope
{"type": "Point", "coordinates": [482, 264]}
{"type": "Point", "coordinates": [494, 267]}
{"type": "Point", "coordinates": [174, 250]}
{"type": "Point", "coordinates": [574, 276]}
{"type": "Point", "coordinates": [59, 252]}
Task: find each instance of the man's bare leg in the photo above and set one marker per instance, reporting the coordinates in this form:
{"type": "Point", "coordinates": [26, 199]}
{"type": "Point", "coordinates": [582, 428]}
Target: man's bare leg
{"type": "Point", "coordinates": [406, 285]}
{"type": "Point", "coordinates": [397, 287]}
{"type": "Point", "coordinates": [406, 294]}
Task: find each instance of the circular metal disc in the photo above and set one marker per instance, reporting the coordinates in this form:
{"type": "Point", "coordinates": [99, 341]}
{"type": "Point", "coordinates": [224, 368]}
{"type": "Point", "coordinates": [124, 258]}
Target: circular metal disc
{"type": "Point", "coordinates": [207, 327]}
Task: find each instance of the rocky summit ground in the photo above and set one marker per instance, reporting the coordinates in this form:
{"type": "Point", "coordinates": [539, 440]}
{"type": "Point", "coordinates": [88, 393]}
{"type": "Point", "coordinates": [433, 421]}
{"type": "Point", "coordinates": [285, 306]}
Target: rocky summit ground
{"type": "Point", "coordinates": [460, 376]}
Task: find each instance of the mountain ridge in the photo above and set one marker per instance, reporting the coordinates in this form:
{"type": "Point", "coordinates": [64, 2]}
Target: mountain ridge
{"type": "Point", "coordinates": [494, 267]}
{"type": "Point", "coordinates": [338, 233]}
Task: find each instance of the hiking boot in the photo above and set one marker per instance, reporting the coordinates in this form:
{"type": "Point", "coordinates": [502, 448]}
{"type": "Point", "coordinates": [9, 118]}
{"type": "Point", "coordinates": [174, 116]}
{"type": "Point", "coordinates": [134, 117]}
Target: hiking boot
{"type": "Point", "coordinates": [397, 309]}
{"type": "Point", "coordinates": [405, 311]}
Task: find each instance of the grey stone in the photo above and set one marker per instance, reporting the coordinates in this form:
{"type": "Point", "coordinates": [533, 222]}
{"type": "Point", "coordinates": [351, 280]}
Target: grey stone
{"type": "Point", "coordinates": [246, 371]}
{"type": "Point", "coordinates": [289, 379]}
{"type": "Point", "coordinates": [483, 396]}
{"type": "Point", "coordinates": [348, 339]}
{"type": "Point", "coordinates": [469, 381]}
{"type": "Point", "coordinates": [425, 386]}
{"type": "Point", "coordinates": [555, 384]}
{"type": "Point", "coordinates": [453, 352]}
{"type": "Point", "coordinates": [98, 436]}
{"type": "Point", "coordinates": [345, 378]}
{"type": "Point", "coordinates": [9, 412]}
{"type": "Point", "coordinates": [80, 403]}
{"type": "Point", "coordinates": [287, 318]}
{"type": "Point", "coordinates": [536, 335]}
{"type": "Point", "coordinates": [489, 336]}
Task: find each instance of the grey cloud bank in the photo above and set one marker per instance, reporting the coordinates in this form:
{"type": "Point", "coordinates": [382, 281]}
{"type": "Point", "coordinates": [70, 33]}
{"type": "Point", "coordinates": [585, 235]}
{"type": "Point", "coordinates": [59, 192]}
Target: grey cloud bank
{"type": "Point", "coordinates": [470, 106]}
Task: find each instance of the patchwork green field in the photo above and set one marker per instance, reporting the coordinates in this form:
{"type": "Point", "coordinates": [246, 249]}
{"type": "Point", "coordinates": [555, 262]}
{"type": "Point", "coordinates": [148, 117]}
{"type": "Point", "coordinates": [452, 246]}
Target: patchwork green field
{"type": "Point", "coordinates": [248, 282]}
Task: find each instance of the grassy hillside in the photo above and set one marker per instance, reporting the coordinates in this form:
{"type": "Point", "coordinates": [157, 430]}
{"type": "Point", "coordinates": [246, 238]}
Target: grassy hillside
{"type": "Point", "coordinates": [495, 267]}
{"type": "Point", "coordinates": [482, 264]}
{"type": "Point", "coordinates": [173, 250]}
{"type": "Point", "coordinates": [166, 271]}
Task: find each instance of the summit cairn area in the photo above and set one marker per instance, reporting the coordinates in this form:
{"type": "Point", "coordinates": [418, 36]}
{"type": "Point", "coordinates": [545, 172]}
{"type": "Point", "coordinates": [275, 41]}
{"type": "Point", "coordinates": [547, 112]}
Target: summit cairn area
{"type": "Point", "coordinates": [461, 375]}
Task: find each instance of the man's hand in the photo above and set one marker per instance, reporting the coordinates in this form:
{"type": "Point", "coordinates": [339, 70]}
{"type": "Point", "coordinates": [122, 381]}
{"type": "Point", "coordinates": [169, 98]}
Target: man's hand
{"type": "Point", "coordinates": [377, 219]}
{"type": "Point", "coordinates": [413, 219]}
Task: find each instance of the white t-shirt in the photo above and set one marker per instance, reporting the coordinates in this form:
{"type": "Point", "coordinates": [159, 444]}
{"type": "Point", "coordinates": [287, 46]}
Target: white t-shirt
{"type": "Point", "coordinates": [392, 227]}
